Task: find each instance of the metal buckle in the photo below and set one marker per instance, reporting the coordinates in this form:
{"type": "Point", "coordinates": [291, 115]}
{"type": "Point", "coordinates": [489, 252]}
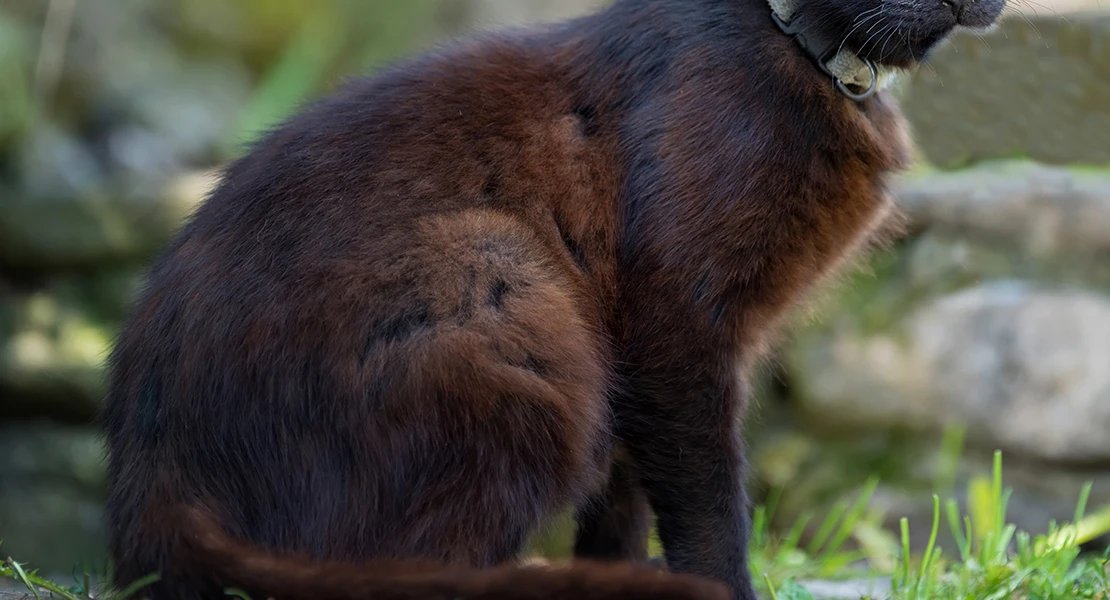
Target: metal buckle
{"type": "Point", "coordinates": [865, 94]}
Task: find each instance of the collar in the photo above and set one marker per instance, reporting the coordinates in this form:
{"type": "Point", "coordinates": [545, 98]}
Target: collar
{"type": "Point", "coordinates": [855, 77]}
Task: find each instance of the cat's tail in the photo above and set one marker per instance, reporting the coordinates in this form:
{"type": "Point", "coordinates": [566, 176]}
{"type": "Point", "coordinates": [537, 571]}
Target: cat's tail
{"type": "Point", "coordinates": [238, 565]}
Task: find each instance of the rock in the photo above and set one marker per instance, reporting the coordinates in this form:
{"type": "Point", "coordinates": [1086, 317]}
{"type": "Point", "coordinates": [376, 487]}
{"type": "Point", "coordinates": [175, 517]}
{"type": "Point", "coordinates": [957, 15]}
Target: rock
{"type": "Point", "coordinates": [64, 232]}
{"type": "Point", "coordinates": [1046, 209]}
{"type": "Point", "coordinates": [54, 163]}
{"type": "Point", "coordinates": [488, 13]}
{"type": "Point", "coordinates": [16, 101]}
{"type": "Point", "coordinates": [1024, 368]}
{"type": "Point", "coordinates": [178, 119]}
{"type": "Point", "coordinates": [51, 491]}
{"type": "Point", "coordinates": [54, 339]}
{"type": "Point", "coordinates": [88, 185]}
{"type": "Point", "coordinates": [130, 114]}
{"type": "Point", "coordinates": [874, 589]}
{"type": "Point", "coordinates": [60, 233]}
{"type": "Point", "coordinates": [1035, 87]}
{"type": "Point", "coordinates": [41, 453]}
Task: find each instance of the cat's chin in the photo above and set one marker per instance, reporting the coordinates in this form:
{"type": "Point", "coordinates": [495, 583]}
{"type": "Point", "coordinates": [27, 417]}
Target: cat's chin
{"type": "Point", "coordinates": [909, 55]}
{"type": "Point", "coordinates": [984, 29]}
{"type": "Point", "coordinates": [907, 31]}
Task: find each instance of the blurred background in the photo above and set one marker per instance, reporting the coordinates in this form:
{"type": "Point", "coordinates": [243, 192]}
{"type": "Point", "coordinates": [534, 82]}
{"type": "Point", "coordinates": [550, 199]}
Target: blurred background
{"type": "Point", "coordinates": [987, 327]}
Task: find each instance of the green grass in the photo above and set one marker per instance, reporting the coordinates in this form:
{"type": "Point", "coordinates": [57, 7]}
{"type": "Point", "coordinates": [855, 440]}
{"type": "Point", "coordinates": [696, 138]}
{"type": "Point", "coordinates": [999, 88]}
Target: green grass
{"type": "Point", "coordinates": [40, 588]}
{"type": "Point", "coordinates": [993, 560]}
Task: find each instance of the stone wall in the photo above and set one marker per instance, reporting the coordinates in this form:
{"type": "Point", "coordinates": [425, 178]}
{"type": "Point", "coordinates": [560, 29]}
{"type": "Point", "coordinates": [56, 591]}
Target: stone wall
{"type": "Point", "coordinates": [994, 316]}
{"type": "Point", "coordinates": [1037, 89]}
{"type": "Point", "coordinates": [994, 311]}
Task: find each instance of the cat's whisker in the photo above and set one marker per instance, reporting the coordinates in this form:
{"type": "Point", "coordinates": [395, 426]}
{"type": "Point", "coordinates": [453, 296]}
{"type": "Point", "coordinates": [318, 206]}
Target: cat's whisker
{"type": "Point", "coordinates": [1062, 16]}
{"type": "Point", "coordinates": [865, 16]}
{"type": "Point", "coordinates": [985, 42]}
{"type": "Point", "coordinates": [882, 51]}
{"type": "Point", "coordinates": [924, 60]}
{"type": "Point", "coordinates": [1003, 29]}
{"type": "Point", "coordinates": [1031, 24]}
{"type": "Point", "coordinates": [875, 12]}
{"type": "Point", "coordinates": [881, 30]}
{"type": "Point", "coordinates": [1032, 4]}
{"type": "Point", "coordinates": [1030, 7]}
{"type": "Point", "coordinates": [886, 38]}
{"type": "Point", "coordinates": [877, 22]}
{"type": "Point", "coordinates": [934, 72]}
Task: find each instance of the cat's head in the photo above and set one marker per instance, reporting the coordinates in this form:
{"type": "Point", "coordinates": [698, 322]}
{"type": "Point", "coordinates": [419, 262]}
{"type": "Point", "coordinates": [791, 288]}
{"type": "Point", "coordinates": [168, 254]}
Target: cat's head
{"type": "Point", "coordinates": [896, 33]}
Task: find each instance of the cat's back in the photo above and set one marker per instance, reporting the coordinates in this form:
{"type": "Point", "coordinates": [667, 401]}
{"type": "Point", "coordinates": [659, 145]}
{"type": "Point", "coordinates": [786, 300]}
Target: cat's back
{"type": "Point", "coordinates": [481, 125]}
{"type": "Point", "coordinates": [424, 136]}
{"type": "Point", "coordinates": [371, 214]}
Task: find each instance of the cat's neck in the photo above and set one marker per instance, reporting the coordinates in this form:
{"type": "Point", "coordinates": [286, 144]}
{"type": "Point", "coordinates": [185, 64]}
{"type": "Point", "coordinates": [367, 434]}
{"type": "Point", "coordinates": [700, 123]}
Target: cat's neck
{"type": "Point", "coordinates": [855, 77]}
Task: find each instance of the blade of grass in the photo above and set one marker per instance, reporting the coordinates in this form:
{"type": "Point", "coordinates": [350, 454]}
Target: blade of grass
{"type": "Point", "coordinates": [1093, 526]}
{"type": "Point", "coordinates": [770, 587]}
{"type": "Point", "coordinates": [790, 542]}
{"type": "Point", "coordinates": [33, 582]}
{"type": "Point", "coordinates": [951, 448]}
{"type": "Point", "coordinates": [759, 526]}
{"type": "Point", "coordinates": [967, 528]}
{"type": "Point", "coordinates": [996, 491]}
{"type": "Point", "coordinates": [52, 49]}
{"type": "Point", "coordinates": [849, 522]}
{"type": "Point", "coordinates": [1089, 528]}
{"type": "Point", "coordinates": [981, 513]}
{"type": "Point", "coordinates": [1081, 506]}
{"type": "Point", "coordinates": [399, 28]}
{"type": "Point", "coordinates": [827, 527]}
{"type": "Point", "coordinates": [23, 578]}
{"type": "Point", "coordinates": [137, 585]}
{"type": "Point", "coordinates": [298, 73]}
{"type": "Point", "coordinates": [926, 560]}
{"type": "Point", "coordinates": [771, 505]}
{"type": "Point", "coordinates": [18, 109]}
{"type": "Point", "coordinates": [904, 524]}
{"type": "Point", "coordinates": [880, 546]}
{"type": "Point", "coordinates": [952, 513]}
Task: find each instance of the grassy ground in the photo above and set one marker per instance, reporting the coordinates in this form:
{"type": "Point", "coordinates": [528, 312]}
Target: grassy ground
{"type": "Point", "coordinates": [994, 561]}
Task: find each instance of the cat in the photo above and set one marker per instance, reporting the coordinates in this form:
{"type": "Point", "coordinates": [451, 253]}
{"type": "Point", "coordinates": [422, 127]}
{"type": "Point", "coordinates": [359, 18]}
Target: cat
{"type": "Point", "coordinates": [519, 273]}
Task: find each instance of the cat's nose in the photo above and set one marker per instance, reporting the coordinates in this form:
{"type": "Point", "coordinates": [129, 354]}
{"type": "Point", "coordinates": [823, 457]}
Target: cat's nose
{"type": "Point", "coordinates": [975, 13]}
{"type": "Point", "coordinates": [956, 6]}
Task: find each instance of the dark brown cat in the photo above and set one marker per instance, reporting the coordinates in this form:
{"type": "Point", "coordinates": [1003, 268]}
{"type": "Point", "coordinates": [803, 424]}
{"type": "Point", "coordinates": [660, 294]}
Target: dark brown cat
{"type": "Point", "coordinates": [521, 273]}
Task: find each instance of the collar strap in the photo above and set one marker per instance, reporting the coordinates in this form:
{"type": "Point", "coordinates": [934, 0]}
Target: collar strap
{"type": "Point", "coordinates": [855, 77]}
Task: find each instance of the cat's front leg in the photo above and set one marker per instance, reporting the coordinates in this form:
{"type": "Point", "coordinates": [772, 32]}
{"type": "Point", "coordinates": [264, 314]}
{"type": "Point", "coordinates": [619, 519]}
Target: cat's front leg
{"type": "Point", "coordinates": [679, 416]}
